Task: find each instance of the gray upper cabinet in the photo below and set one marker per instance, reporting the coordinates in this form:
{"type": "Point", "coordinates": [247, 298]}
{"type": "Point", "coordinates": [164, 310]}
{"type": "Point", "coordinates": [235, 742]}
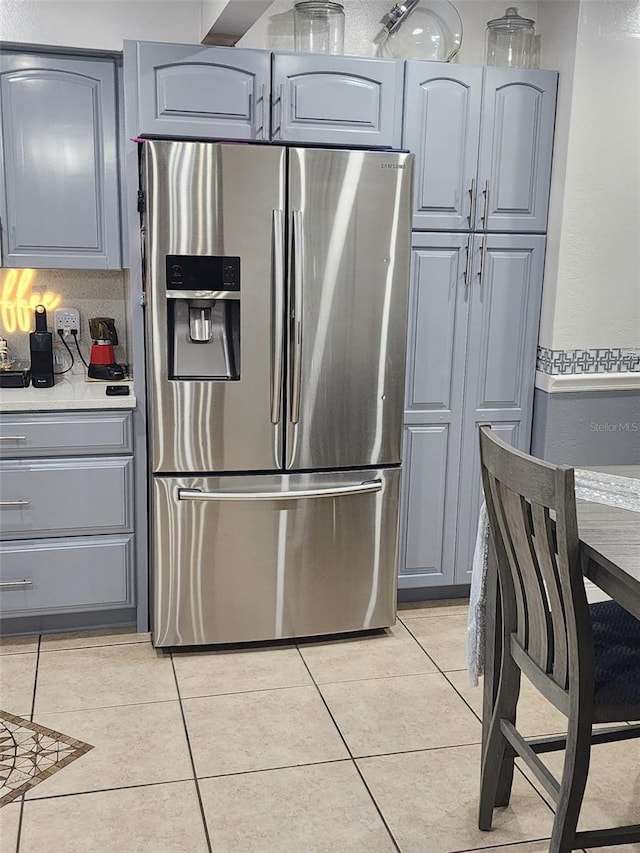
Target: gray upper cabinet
{"type": "Point", "coordinates": [516, 143]}
{"type": "Point", "coordinates": [59, 199]}
{"type": "Point", "coordinates": [442, 128]}
{"type": "Point", "coordinates": [332, 100]}
{"type": "Point", "coordinates": [483, 140]}
{"type": "Point", "coordinates": [203, 92]}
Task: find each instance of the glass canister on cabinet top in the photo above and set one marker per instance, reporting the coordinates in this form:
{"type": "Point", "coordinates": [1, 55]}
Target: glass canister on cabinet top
{"type": "Point", "coordinates": [510, 41]}
{"type": "Point", "coordinates": [318, 27]}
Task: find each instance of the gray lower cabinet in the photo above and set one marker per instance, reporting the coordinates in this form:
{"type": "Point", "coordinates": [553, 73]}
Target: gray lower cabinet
{"type": "Point", "coordinates": [66, 520]}
{"type": "Point", "coordinates": [433, 408]}
{"type": "Point", "coordinates": [483, 140]}
{"type": "Point", "coordinates": [473, 333]}
{"type": "Point", "coordinates": [337, 100]}
{"type": "Point", "coordinates": [59, 202]}
{"type": "Point", "coordinates": [202, 92]}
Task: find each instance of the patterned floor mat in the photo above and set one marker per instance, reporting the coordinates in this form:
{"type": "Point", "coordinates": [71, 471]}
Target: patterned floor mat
{"type": "Point", "coordinates": [30, 753]}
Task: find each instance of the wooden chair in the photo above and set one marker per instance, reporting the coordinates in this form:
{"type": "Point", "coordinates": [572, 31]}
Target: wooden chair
{"type": "Point", "coordinates": [585, 659]}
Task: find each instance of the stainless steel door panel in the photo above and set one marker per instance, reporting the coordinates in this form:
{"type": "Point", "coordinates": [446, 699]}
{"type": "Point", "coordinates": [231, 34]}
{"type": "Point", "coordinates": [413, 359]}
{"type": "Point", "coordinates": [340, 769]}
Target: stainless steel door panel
{"type": "Point", "coordinates": [350, 230]}
{"type": "Point", "coordinates": [242, 558]}
{"type": "Point", "coordinates": [209, 199]}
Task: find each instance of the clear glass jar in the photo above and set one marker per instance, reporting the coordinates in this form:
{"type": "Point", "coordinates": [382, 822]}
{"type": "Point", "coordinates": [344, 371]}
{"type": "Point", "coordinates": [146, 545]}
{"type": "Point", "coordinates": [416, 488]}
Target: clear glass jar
{"type": "Point", "coordinates": [510, 41]}
{"type": "Point", "coordinates": [318, 27]}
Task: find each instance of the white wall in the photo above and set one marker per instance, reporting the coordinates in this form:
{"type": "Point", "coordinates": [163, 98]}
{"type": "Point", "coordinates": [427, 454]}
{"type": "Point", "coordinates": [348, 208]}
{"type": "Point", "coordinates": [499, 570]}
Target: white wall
{"type": "Point", "coordinates": [101, 24]}
{"type": "Point", "coordinates": [362, 24]}
{"type": "Point", "coordinates": [592, 281]}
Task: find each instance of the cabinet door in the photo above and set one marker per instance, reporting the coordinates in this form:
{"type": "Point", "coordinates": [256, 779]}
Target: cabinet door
{"type": "Point", "coordinates": [435, 364]}
{"type": "Point", "coordinates": [337, 100]}
{"type": "Point", "coordinates": [442, 127]}
{"type": "Point", "coordinates": [59, 197]}
{"type": "Point", "coordinates": [516, 143]}
{"type": "Point", "coordinates": [501, 362]}
{"type": "Point", "coordinates": [203, 92]}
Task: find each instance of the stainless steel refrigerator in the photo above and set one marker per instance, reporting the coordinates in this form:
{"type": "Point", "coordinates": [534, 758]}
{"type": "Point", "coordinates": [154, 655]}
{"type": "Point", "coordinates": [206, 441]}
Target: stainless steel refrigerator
{"type": "Point", "coordinates": [277, 286]}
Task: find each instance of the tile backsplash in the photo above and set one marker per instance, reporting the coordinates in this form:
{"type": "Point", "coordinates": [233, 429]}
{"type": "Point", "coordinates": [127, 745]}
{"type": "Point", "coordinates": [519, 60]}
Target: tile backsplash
{"type": "Point", "coordinates": [95, 293]}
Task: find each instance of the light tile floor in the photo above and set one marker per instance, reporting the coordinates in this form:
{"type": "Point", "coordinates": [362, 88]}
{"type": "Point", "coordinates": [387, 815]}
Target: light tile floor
{"type": "Point", "coordinates": [356, 745]}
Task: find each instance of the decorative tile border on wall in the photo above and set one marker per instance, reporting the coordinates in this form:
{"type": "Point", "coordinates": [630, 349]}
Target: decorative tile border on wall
{"type": "Point", "coordinates": [30, 753]}
{"type": "Point", "coordinates": [563, 362]}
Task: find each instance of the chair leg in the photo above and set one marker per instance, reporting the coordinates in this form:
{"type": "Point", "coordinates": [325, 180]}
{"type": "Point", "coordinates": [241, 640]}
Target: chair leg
{"type": "Point", "coordinates": [498, 759]}
{"type": "Point", "coordinates": [574, 781]}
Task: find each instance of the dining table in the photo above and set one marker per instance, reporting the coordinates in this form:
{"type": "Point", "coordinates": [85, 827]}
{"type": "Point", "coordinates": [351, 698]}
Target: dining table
{"type": "Point", "coordinates": [610, 553]}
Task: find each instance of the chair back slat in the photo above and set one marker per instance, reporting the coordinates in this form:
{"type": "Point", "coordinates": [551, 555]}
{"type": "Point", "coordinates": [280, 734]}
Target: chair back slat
{"type": "Point", "coordinates": [538, 560]}
{"type": "Point", "coordinates": [497, 516]}
{"type": "Point", "coordinates": [539, 635]}
{"type": "Point", "coordinates": [545, 549]}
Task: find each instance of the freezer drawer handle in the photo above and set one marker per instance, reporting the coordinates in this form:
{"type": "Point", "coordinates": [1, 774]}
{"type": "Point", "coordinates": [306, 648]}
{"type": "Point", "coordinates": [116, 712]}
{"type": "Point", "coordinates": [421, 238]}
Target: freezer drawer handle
{"type": "Point", "coordinates": [4, 504]}
{"type": "Point", "coordinates": [15, 584]}
{"type": "Point", "coordinates": [359, 489]}
{"type": "Point", "coordinates": [13, 437]}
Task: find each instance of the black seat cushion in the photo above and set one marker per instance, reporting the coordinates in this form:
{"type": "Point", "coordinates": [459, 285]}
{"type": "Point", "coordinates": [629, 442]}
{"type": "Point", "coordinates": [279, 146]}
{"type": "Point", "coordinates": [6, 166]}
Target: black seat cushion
{"type": "Point", "coordinates": [616, 642]}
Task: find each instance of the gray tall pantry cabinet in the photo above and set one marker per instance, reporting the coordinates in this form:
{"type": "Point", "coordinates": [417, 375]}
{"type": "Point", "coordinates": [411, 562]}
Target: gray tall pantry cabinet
{"type": "Point", "coordinates": [483, 142]}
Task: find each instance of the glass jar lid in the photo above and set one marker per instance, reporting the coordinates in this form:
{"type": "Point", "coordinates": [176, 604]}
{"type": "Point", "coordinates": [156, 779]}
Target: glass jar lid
{"type": "Point", "coordinates": [318, 6]}
{"type": "Point", "coordinates": [511, 21]}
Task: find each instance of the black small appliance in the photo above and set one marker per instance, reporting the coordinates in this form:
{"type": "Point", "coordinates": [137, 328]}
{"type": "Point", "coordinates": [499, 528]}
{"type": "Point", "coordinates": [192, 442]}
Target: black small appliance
{"type": "Point", "coordinates": [41, 346]}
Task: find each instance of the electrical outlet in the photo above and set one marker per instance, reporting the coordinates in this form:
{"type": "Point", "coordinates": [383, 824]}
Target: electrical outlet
{"type": "Point", "coordinates": [67, 319]}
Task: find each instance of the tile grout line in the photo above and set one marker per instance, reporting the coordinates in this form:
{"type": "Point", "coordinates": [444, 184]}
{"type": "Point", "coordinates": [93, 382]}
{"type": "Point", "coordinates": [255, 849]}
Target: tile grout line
{"type": "Point", "coordinates": [33, 708]}
{"type": "Point", "coordinates": [353, 761]}
{"type": "Point", "coordinates": [193, 764]}
{"type": "Point", "coordinates": [477, 716]}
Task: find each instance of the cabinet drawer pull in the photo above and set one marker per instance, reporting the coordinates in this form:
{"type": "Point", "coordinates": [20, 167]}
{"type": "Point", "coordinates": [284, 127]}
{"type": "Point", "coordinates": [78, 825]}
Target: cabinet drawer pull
{"type": "Point", "coordinates": [4, 504]}
{"type": "Point", "coordinates": [15, 584]}
{"type": "Point", "coordinates": [13, 437]}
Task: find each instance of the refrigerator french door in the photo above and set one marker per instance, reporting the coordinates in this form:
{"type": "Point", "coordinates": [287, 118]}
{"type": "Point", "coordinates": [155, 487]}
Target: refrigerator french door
{"type": "Point", "coordinates": [276, 314]}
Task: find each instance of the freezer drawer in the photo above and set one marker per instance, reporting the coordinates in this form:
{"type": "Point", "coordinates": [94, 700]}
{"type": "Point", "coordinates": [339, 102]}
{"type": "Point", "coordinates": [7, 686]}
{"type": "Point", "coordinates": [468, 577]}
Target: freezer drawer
{"type": "Point", "coordinates": [242, 558]}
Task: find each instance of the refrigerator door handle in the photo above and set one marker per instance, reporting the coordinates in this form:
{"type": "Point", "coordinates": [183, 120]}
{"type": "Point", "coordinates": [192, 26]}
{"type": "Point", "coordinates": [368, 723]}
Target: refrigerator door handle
{"type": "Point", "coordinates": [367, 487]}
{"type": "Point", "coordinates": [296, 317]}
{"type": "Point", "coordinates": [277, 285]}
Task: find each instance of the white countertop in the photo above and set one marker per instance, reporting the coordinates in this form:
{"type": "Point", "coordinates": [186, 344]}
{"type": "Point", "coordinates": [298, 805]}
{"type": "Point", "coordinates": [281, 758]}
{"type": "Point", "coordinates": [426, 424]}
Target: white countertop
{"type": "Point", "coordinates": [68, 394]}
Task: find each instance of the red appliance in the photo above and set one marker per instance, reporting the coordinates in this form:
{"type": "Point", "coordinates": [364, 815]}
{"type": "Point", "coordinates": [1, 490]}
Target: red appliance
{"type": "Point", "coordinates": [102, 361]}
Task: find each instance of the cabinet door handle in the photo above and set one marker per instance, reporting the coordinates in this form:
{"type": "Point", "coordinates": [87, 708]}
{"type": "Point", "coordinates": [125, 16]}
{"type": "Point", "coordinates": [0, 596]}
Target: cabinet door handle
{"type": "Point", "coordinates": [472, 193]}
{"type": "Point", "coordinates": [5, 504]}
{"type": "Point", "coordinates": [13, 437]}
{"type": "Point", "coordinates": [263, 95]}
{"type": "Point", "coordinates": [282, 111]}
{"type": "Point", "coordinates": [15, 584]}
{"type": "Point", "coordinates": [467, 272]}
{"type": "Point", "coordinates": [483, 260]}
{"type": "Point", "coordinates": [485, 213]}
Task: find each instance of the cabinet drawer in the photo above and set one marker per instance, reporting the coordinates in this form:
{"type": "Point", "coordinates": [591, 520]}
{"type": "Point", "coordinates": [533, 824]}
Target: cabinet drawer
{"type": "Point", "coordinates": [65, 434]}
{"type": "Point", "coordinates": [61, 575]}
{"type": "Point", "coordinates": [65, 497]}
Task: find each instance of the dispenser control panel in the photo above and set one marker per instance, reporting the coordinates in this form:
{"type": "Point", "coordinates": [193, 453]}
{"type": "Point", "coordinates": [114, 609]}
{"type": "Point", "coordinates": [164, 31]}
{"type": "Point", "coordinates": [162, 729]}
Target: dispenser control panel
{"type": "Point", "coordinates": [203, 272]}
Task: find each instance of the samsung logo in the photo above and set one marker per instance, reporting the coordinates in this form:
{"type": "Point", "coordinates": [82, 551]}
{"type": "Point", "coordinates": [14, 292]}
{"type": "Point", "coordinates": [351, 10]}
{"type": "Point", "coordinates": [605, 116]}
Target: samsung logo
{"type": "Point", "coordinates": [393, 165]}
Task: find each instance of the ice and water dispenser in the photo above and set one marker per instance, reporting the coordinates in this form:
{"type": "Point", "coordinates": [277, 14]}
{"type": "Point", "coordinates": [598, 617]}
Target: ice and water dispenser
{"type": "Point", "coordinates": [203, 313]}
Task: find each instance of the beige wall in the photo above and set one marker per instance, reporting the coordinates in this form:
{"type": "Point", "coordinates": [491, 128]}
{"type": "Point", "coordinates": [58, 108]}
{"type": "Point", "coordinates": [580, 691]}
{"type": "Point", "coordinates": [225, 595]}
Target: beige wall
{"type": "Point", "coordinates": [592, 280]}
